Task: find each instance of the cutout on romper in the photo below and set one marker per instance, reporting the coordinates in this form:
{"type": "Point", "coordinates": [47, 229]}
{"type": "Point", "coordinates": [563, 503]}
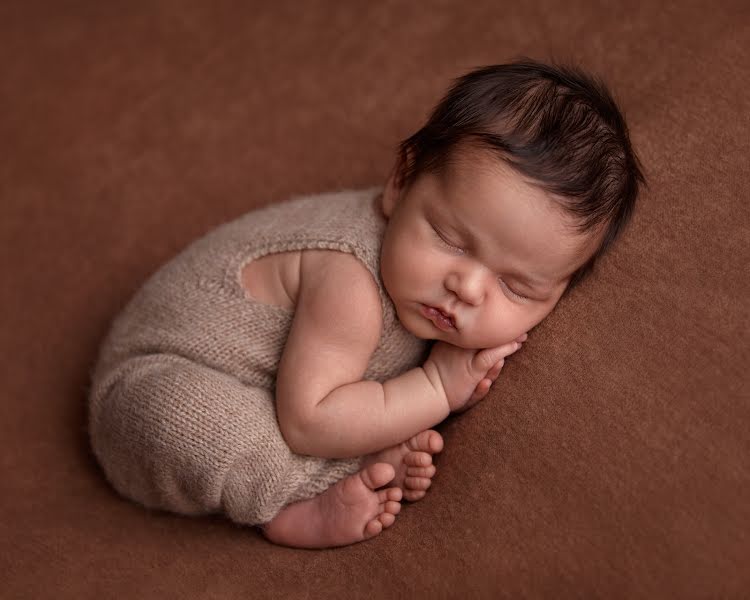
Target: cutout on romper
{"type": "Point", "coordinates": [272, 279]}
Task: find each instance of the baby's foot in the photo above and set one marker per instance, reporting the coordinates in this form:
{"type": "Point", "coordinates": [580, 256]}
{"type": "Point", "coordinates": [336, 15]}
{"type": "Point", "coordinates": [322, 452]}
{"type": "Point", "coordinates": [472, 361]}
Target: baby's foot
{"type": "Point", "coordinates": [347, 512]}
{"type": "Point", "coordinates": [412, 461]}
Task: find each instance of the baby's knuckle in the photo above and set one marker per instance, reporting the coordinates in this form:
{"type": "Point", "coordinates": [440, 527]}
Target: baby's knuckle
{"type": "Point", "coordinates": [484, 362]}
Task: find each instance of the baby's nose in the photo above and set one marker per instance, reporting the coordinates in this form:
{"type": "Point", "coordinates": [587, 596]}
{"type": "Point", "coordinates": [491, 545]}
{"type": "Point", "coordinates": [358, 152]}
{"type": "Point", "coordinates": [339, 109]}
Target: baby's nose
{"type": "Point", "coordinates": [468, 286]}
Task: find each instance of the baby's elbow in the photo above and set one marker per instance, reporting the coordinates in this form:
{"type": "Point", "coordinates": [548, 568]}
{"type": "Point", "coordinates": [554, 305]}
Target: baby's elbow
{"type": "Point", "coordinates": [296, 434]}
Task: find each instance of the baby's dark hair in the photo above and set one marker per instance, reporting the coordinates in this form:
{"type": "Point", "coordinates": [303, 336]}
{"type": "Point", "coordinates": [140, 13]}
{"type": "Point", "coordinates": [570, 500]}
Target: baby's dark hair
{"type": "Point", "coordinates": [555, 125]}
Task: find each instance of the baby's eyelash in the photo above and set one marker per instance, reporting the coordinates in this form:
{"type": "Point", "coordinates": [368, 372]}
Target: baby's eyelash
{"type": "Point", "coordinates": [446, 242]}
{"type": "Point", "coordinates": [512, 293]}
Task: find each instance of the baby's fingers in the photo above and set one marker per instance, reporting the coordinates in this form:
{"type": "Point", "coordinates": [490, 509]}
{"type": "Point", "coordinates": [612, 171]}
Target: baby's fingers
{"type": "Point", "coordinates": [483, 387]}
{"type": "Point", "coordinates": [488, 358]}
{"type": "Point", "coordinates": [495, 371]}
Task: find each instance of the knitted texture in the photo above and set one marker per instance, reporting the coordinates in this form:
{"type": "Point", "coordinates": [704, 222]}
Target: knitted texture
{"type": "Point", "coordinates": [182, 413]}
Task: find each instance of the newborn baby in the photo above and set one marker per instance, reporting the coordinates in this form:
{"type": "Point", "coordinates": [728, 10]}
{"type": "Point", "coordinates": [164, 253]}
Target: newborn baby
{"type": "Point", "coordinates": [279, 369]}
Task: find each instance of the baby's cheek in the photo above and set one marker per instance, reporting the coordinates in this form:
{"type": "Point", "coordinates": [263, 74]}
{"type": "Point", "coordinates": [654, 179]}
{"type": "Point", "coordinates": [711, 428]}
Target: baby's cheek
{"type": "Point", "coordinates": [419, 265]}
{"type": "Point", "coordinates": [501, 328]}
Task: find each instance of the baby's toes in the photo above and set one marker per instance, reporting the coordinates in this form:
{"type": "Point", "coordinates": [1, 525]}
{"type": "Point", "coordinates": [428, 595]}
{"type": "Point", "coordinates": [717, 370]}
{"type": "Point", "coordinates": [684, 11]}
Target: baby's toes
{"type": "Point", "coordinates": [421, 471]}
{"type": "Point", "coordinates": [386, 519]}
{"type": "Point", "coordinates": [429, 441]}
{"type": "Point", "coordinates": [418, 483]}
{"type": "Point", "coordinates": [418, 459]}
{"type": "Point", "coordinates": [414, 495]}
{"type": "Point", "coordinates": [373, 528]}
{"type": "Point", "coordinates": [389, 511]}
{"type": "Point", "coordinates": [391, 508]}
{"type": "Point", "coordinates": [393, 494]}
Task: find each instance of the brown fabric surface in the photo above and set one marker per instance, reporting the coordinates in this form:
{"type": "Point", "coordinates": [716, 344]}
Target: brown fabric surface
{"type": "Point", "coordinates": [611, 461]}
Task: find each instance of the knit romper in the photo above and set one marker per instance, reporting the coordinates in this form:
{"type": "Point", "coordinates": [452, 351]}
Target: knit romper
{"type": "Point", "coordinates": [182, 412]}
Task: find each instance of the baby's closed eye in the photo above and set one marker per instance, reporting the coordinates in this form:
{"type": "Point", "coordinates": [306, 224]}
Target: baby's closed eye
{"type": "Point", "coordinates": [445, 240]}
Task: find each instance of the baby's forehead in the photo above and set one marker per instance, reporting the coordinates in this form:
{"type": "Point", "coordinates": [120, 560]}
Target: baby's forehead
{"type": "Point", "coordinates": [471, 171]}
{"type": "Point", "coordinates": [481, 198]}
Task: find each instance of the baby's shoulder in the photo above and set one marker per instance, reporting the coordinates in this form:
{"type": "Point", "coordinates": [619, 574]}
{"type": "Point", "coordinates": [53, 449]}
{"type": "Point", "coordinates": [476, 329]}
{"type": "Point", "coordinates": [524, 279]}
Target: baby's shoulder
{"type": "Point", "coordinates": [338, 282]}
{"type": "Point", "coordinates": [342, 270]}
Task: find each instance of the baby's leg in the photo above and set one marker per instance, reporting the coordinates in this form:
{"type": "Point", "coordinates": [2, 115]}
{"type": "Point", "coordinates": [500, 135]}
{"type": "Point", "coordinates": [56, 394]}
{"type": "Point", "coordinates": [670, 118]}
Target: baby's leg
{"type": "Point", "coordinates": [176, 435]}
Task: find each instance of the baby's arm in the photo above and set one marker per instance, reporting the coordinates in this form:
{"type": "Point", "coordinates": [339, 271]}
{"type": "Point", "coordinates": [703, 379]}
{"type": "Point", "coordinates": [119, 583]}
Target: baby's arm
{"type": "Point", "coordinates": [324, 407]}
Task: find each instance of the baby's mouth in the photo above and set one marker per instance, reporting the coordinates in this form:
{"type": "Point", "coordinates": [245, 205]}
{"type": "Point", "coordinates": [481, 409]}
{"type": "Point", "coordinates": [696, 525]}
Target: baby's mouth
{"type": "Point", "coordinates": [439, 318]}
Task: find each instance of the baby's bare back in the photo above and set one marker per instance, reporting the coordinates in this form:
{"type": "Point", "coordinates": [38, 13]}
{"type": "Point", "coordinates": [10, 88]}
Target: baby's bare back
{"type": "Point", "coordinates": [273, 279]}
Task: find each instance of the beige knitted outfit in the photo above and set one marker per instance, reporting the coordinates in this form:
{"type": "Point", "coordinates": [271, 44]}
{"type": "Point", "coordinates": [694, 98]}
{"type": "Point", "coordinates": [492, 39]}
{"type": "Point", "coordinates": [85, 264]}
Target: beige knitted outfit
{"type": "Point", "coordinates": [182, 412]}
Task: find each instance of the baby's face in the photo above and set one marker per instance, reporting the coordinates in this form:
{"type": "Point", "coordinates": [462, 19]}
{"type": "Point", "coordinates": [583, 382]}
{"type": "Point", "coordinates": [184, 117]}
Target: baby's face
{"type": "Point", "coordinates": [479, 245]}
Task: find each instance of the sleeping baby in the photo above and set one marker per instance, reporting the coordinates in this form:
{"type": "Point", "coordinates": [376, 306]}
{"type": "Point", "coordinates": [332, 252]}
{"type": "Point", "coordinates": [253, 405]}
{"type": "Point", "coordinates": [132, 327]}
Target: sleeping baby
{"type": "Point", "coordinates": [286, 369]}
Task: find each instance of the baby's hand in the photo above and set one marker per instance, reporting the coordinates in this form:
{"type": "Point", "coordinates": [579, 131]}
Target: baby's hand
{"type": "Point", "coordinates": [465, 376]}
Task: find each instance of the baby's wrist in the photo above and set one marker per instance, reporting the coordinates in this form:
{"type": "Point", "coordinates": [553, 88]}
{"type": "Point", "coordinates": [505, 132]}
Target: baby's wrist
{"type": "Point", "coordinates": [433, 376]}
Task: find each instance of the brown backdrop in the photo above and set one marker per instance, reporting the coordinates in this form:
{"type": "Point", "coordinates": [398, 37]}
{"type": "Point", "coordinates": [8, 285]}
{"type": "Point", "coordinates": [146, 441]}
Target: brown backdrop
{"type": "Point", "coordinates": [611, 461]}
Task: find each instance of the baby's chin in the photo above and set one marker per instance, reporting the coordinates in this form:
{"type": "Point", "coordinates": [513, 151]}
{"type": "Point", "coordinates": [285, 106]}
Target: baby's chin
{"type": "Point", "coordinates": [419, 329]}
